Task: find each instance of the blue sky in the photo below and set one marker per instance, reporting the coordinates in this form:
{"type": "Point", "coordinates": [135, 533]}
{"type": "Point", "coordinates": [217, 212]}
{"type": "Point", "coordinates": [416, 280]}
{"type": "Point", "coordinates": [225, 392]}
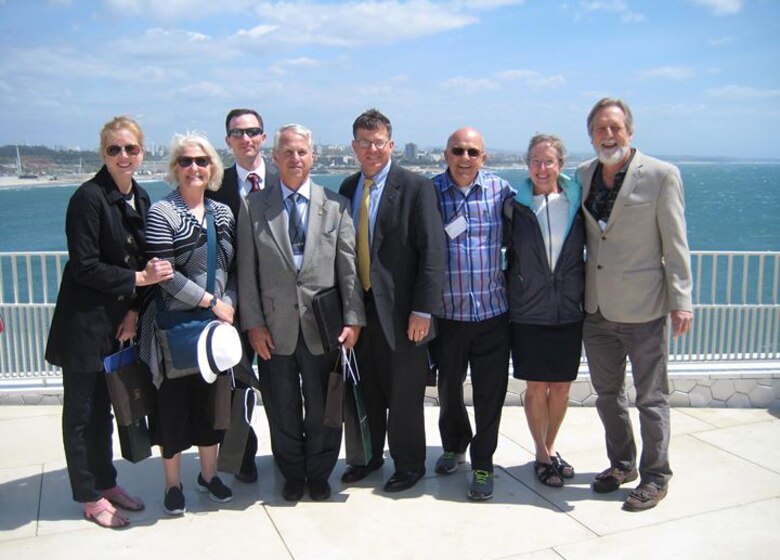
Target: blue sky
{"type": "Point", "coordinates": [702, 76]}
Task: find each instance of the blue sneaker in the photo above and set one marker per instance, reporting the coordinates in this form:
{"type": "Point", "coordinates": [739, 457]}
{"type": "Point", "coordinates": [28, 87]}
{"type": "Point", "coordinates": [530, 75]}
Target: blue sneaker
{"type": "Point", "coordinates": [481, 486]}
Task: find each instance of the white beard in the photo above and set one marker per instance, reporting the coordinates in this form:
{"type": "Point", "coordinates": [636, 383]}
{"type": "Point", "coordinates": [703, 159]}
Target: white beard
{"type": "Point", "coordinates": [612, 156]}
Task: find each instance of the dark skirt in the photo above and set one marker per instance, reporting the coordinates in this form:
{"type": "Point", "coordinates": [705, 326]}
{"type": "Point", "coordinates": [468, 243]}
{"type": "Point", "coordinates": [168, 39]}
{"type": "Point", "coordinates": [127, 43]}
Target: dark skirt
{"type": "Point", "coordinates": [549, 354]}
{"type": "Point", "coordinates": [183, 416]}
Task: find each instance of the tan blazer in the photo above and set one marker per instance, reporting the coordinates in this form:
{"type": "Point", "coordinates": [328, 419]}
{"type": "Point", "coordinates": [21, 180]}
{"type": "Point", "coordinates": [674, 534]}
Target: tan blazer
{"type": "Point", "coordinates": [638, 269]}
{"type": "Point", "coordinates": [276, 295]}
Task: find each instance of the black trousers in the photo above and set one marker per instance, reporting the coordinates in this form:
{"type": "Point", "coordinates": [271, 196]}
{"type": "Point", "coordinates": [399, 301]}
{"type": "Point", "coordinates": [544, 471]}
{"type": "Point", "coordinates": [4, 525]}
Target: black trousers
{"type": "Point", "coordinates": [294, 389]}
{"type": "Point", "coordinates": [485, 345]}
{"type": "Point", "coordinates": [394, 392]}
{"type": "Point", "coordinates": [87, 426]}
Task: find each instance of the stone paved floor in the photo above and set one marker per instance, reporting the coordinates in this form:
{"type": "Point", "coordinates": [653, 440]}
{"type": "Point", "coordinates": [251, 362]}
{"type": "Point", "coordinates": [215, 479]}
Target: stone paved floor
{"type": "Point", "coordinates": [724, 502]}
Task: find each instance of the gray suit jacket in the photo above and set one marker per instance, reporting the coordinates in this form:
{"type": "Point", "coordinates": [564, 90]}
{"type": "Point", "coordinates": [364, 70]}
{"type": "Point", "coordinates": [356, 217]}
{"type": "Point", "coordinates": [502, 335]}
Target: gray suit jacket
{"type": "Point", "coordinates": [276, 295]}
{"type": "Point", "coordinates": [638, 269]}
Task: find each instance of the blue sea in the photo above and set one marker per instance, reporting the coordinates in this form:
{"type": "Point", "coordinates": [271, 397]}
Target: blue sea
{"type": "Point", "coordinates": [729, 207]}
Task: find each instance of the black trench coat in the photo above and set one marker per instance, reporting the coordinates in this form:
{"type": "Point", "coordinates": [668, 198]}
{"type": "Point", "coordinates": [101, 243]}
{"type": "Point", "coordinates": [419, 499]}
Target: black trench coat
{"type": "Point", "coordinates": [105, 249]}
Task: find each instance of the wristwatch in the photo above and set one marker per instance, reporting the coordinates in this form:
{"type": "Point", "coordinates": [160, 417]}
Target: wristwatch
{"type": "Point", "coordinates": [213, 303]}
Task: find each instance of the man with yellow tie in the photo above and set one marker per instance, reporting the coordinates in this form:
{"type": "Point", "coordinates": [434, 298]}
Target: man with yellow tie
{"type": "Point", "coordinates": [400, 253]}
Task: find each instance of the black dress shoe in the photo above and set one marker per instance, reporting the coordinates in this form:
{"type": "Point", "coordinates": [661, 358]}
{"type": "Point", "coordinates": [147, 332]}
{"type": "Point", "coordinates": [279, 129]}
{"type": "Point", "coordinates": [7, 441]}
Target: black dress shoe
{"type": "Point", "coordinates": [354, 473]}
{"type": "Point", "coordinates": [319, 489]}
{"type": "Point", "coordinates": [403, 480]}
{"type": "Point", "coordinates": [246, 475]}
{"type": "Point", "coordinates": [293, 490]}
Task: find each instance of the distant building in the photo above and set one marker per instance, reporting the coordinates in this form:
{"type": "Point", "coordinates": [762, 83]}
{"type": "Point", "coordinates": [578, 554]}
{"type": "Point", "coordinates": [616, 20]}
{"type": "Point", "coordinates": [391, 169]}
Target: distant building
{"type": "Point", "coordinates": [410, 152]}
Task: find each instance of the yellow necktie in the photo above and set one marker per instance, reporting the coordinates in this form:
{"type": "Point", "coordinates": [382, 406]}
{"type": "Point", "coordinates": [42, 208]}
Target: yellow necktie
{"type": "Point", "coordinates": [363, 245]}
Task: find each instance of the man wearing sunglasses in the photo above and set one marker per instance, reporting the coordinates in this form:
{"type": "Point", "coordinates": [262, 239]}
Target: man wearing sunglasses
{"type": "Point", "coordinates": [473, 325]}
{"type": "Point", "coordinates": [400, 251]}
{"type": "Point", "coordinates": [245, 137]}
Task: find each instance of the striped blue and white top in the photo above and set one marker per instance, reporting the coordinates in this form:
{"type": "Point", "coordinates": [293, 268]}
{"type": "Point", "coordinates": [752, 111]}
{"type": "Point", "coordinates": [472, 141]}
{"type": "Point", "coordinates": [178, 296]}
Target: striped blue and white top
{"type": "Point", "coordinates": [173, 233]}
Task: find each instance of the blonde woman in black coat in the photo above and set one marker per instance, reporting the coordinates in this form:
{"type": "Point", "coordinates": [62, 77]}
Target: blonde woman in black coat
{"type": "Point", "coordinates": [97, 308]}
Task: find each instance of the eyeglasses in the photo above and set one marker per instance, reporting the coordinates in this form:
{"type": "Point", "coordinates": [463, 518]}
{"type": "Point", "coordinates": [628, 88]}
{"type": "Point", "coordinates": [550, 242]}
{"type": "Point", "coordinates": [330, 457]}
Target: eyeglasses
{"type": "Point", "coordinates": [366, 144]}
{"type": "Point", "coordinates": [251, 132]}
{"type": "Point", "coordinates": [472, 152]}
{"type": "Point", "coordinates": [543, 163]}
{"type": "Point", "coordinates": [130, 149]}
{"type": "Point", "coordinates": [185, 161]}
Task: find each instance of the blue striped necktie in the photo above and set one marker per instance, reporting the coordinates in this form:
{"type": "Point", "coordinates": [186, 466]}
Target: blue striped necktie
{"type": "Point", "coordinates": [295, 224]}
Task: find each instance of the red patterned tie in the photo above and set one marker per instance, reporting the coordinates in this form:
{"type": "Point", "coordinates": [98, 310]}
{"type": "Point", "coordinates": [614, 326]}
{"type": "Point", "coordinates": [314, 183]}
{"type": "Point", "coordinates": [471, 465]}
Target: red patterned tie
{"type": "Point", "coordinates": [255, 180]}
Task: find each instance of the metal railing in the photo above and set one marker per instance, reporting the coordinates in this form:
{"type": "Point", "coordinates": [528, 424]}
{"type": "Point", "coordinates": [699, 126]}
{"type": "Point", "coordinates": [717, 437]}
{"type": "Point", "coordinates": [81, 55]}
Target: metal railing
{"type": "Point", "coordinates": [736, 310]}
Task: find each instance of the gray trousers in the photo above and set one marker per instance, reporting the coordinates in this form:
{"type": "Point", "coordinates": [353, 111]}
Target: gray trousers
{"type": "Point", "coordinates": [607, 344]}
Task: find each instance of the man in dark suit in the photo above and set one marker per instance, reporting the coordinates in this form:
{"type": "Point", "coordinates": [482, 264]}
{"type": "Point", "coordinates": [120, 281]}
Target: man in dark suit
{"type": "Point", "coordinates": [245, 135]}
{"type": "Point", "coordinates": [295, 239]}
{"type": "Point", "coordinates": [401, 252]}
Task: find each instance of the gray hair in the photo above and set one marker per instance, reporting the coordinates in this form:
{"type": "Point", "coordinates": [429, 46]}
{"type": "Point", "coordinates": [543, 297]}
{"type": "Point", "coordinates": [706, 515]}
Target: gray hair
{"type": "Point", "coordinates": [181, 141]}
{"type": "Point", "coordinates": [553, 141]}
{"type": "Point", "coordinates": [297, 129]}
{"type": "Point", "coordinates": [610, 102]}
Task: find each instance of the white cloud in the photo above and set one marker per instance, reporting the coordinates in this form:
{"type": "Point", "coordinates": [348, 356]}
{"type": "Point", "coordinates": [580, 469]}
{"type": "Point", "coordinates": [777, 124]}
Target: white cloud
{"type": "Point", "coordinates": [60, 2]}
{"type": "Point", "coordinates": [666, 73]}
{"type": "Point", "coordinates": [734, 91]}
{"type": "Point", "coordinates": [461, 84]}
{"type": "Point", "coordinates": [531, 78]}
{"type": "Point", "coordinates": [321, 22]}
{"type": "Point", "coordinates": [612, 6]}
{"type": "Point", "coordinates": [721, 7]}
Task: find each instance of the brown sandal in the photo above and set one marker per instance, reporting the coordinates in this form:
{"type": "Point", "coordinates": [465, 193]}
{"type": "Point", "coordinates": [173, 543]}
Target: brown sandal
{"type": "Point", "coordinates": [93, 511]}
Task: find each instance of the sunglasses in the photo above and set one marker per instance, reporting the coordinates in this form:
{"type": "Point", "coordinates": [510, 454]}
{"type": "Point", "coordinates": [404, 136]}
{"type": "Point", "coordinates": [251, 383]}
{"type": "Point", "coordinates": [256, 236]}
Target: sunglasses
{"type": "Point", "coordinates": [239, 132]}
{"type": "Point", "coordinates": [184, 161]}
{"type": "Point", "coordinates": [130, 149]}
{"type": "Point", "coordinates": [472, 152]}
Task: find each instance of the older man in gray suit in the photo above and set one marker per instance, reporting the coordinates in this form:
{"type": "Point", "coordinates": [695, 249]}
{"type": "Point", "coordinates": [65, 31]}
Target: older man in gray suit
{"type": "Point", "coordinates": [637, 274]}
{"type": "Point", "coordinates": [295, 239]}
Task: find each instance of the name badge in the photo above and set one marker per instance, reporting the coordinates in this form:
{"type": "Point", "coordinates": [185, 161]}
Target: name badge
{"type": "Point", "coordinates": [456, 226]}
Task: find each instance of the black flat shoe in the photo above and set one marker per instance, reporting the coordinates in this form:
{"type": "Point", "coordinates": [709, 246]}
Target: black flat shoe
{"type": "Point", "coordinates": [403, 480]}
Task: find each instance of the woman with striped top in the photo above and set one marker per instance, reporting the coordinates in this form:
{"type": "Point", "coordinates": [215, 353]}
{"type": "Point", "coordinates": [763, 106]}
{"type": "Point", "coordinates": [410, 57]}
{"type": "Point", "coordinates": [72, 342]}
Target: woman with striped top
{"type": "Point", "coordinates": [176, 232]}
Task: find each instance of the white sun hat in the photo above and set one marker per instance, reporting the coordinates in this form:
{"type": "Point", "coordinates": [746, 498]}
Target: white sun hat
{"type": "Point", "coordinates": [219, 349]}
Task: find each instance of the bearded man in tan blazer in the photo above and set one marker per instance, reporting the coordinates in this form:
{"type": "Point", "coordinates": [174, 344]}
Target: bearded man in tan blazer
{"type": "Point", "coordinates": [638, 274]}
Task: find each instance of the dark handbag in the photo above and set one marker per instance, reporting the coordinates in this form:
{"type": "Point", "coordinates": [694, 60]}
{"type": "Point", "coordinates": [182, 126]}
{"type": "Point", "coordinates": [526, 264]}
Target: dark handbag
{"type": "Point", "coordinates": [357, 434]}
{"type": "Point", "coordinates": [219, 401]}
{"type": "Point", "coordinates": [329, 314]}
{"type": "Point", "coordinates": [129, 385]}
{"type": "Point", "coordinates": [134, 441]}
{"type": "Point", "coordinates": [334, 398]}
{"type": "Point", "coordinates": [231, 450]}
{"type": "Point", "coordinates": [178, 331]}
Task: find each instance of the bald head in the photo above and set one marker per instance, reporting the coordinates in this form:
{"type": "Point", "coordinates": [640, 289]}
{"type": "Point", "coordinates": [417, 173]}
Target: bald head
{"type": "Point", "coordinates": [465, 155]}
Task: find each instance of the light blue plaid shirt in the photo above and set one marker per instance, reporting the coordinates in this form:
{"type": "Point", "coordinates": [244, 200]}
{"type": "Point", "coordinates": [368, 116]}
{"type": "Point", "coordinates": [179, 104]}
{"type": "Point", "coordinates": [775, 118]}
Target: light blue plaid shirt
{"type": "Point", "coordinates": [474, 288]}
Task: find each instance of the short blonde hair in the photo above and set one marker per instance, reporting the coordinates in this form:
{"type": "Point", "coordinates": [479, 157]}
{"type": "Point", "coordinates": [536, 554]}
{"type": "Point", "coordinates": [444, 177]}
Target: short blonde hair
{"type": "Point", "coordinates": [120, 123]}
{"type": "Point", "coordinates": [181, 141]}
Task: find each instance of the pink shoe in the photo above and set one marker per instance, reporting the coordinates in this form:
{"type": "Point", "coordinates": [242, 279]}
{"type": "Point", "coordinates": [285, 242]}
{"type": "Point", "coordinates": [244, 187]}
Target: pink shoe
{"type": "Point", "coordinates": [104, 514]}
{"type": "Point", "coordinates": [119, 497]}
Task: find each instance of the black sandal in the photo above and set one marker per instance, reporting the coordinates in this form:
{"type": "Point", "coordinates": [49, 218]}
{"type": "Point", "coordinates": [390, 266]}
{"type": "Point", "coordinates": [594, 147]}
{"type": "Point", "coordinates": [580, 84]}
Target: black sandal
{"type": "Point", "coordinates": [563, 468]}
{"type": "Point", "coordinates": [547, 473]}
